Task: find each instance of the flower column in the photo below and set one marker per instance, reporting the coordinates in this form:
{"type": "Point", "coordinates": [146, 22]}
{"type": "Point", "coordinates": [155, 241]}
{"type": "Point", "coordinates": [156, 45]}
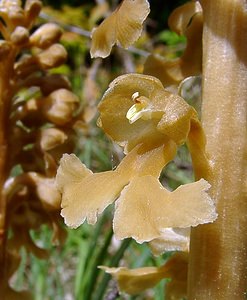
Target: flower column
{"type": "Point", "coordinates": [218, 258]}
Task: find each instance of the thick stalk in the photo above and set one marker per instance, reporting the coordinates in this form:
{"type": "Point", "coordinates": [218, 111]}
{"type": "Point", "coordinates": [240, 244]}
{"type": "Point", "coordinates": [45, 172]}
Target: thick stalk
{"type": "Point", "coordinates": [218, 257]}
{"type": "Point", "coordinates": [5, 97]}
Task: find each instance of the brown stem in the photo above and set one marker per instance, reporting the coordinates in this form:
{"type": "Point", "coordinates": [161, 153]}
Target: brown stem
{"type": "Point", "coordinates": [218, 257]}
{"type": "Point", "coordinates": [5, 102]}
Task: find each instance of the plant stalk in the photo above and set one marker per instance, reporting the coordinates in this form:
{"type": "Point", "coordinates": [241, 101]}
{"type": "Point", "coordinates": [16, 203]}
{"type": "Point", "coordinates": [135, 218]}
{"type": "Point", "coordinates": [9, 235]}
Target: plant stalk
{"type": "Point", "coordinates": [5, 102]}
{"type": "Point", "coordinates": [218, 254]}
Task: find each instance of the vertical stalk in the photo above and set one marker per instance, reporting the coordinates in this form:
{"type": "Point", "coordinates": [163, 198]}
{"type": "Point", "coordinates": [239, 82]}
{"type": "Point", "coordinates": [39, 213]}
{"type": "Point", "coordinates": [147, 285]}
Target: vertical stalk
{"type": "Point", "coordinates": [5, 102]}
{"type": "Point", "coordinates": [218, 257]}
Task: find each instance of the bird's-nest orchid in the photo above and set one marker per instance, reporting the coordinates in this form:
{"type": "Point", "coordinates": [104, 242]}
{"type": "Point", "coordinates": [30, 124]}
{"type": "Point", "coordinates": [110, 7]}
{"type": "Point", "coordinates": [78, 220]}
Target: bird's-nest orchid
{"type": "Point", "coordinates": [150, 123]}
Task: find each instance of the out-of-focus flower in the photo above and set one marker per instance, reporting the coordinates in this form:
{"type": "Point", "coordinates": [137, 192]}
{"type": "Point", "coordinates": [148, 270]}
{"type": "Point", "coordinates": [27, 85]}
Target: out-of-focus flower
{"type": "Point", "coordinates": [123, 26]}
{"type": "Point", "coordinates": [186, 19]}
{"type": "Point", "coordinates": [135, 281]}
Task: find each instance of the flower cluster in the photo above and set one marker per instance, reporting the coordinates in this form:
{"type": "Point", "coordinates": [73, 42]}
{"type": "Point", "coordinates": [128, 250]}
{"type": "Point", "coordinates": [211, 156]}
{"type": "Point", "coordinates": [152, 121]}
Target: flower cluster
{"type": "Point", "coordinates": [37, 126]}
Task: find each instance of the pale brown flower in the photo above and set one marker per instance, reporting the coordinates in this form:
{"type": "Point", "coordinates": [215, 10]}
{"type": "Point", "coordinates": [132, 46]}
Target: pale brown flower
{"type": "Point", "coordinates": [185, 20]}
{"type": "Point", "coordinates": [150, 123]}
{"type": "Point", "coordinates": [135, 281]}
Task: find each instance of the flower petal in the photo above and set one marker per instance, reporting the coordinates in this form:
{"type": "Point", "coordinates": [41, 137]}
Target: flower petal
{"type": "Point", "coordinates": [85, 195]}
{"type": "Point", "coordinates": [187, 20]}
{"type": "Point", "coordinates": [148, 159]}
{"type": "Point", "coordinates": [118, 100]}
{"type": "Point", "coordinates": [124, 26]}
{"type": "Point", "coordinates": [134, 281]}
{"type": "Point", "coordinates": [145, 208]}
{"type": "Point", "coordinates": [171, 239]}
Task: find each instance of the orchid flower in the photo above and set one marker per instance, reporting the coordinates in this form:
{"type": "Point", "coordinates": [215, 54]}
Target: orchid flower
{"type": "Point", "coordinates": [150, 123]}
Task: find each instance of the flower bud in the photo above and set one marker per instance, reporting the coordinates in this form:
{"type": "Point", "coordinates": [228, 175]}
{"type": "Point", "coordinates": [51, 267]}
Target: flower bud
{"type": "Point", "coordinates": [52, 57]}
{"type": "Point", "coordinates": [59, 106]}
{"type": "Point", "coordinates": [50, 138]}
{"type": "Point", "coordinates": [48, 83]}
{"type": "Point", "coordinates": [54, 142]}
{"type": "Point", "coordinates": [47, 193]}
{"type": "Point", "coordinates": [46, 35]}
{"type": "Point", "coordinates": [32, 9]}
{"type": "Point", "coordinates": [20, 36]}
{"type": "Point", "coordinates": [25, 66]}
{"type": "Point", "coordinates": [53, 82]}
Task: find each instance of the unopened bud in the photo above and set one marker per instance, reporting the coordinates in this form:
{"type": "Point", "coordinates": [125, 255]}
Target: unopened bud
{"type": "Point", "coordinates": [20, 36]}
{"type": "Point", "coordinates": [46, 191]}
{"type": "Point", "coordinates": [54, 82]}
{"type": "Point", "coordinates": [52, 57]}
{"type": "Point", "coordinates": [50, 138]}
{"type": "Point", "coordinates": [46, 35]}
{"type": "Point", "coordinates": [60, 106]}
{"type": "Point", "coordinates": [32, 9]}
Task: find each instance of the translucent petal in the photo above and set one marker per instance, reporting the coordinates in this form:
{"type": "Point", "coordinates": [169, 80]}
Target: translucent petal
{"type": "Point", "coordinates": [123, 26]}
{"type": "Point", "coordinates": [171, 239]}
{"type": "Point", "coordinates": [145, 208]}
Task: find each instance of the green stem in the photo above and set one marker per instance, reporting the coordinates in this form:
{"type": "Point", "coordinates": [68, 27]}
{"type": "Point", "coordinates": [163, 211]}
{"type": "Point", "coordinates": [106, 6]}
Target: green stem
{"type": "Point", "coordinates": [93, 271]}
{"type": "Point", "coordinates": [114, 263]}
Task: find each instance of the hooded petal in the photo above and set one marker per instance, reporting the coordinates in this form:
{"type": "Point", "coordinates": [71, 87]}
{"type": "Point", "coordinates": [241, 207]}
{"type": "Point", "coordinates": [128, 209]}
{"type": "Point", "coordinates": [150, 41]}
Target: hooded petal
{"type": "Point", "coordinates": [123, 26]}
{"type": "Point", "coordinates": [145, 208]}
{"type": "Point", "coordinates": [159, 105]}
